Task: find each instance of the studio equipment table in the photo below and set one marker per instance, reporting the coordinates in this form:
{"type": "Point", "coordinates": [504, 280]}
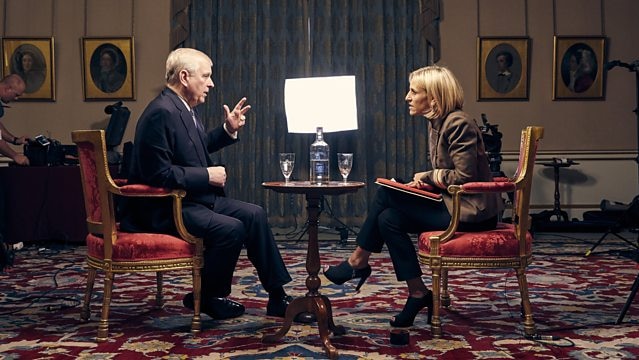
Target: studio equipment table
{"type": "Point", "coordinates": [313, 302]}
{"type": "Point", "coordinates": [43, 204]}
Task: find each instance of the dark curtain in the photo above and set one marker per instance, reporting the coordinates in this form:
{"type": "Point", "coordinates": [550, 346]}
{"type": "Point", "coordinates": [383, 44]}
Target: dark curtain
{"type": "Point", "coordinates": [255, 45]}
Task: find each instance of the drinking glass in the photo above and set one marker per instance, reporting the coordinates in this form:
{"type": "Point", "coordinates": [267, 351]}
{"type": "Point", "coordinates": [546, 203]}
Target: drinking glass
{"type": "Point", "coordinates": [287, 162]}
{"type": "Point", "coordinates": [345, 164]}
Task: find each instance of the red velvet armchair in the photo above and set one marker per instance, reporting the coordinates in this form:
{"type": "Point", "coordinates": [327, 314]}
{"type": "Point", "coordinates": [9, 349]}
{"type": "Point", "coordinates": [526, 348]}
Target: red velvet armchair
{"type": "Point", "coordinates": [114, 251]}
{"type": "Point", "coordinates": [508, 246]}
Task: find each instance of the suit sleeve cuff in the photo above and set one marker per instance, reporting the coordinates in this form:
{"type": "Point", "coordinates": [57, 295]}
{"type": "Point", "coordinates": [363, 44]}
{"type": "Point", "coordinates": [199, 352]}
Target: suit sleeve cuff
{"type": "Point", "coordinates": [232, 135]}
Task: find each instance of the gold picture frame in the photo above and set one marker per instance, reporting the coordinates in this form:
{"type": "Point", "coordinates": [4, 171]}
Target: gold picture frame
{"type": "Point", "coordinates": [108, 68]}
{"type": "Point", "coordinates": [578, 67]}
{"type": "Point", "coordinates": [33, 60]}
{"type": "Point", "coordinates": [502, 68]}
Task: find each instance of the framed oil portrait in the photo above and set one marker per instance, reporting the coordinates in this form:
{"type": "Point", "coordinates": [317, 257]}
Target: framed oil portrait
{"type": "Point", "coordinates": [502, 68]}
{"type": "Point", "coordinates": [33, 60]}
{"type": "Point", "coordinates": [578, 68]}
{"type": "Point", "coordinates": [108, 70]}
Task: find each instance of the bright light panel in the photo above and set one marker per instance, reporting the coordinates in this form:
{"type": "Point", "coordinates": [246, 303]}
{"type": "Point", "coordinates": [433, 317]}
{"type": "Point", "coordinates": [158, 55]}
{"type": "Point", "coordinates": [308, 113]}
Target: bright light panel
{"type": "Point", "coordinates": [329, 102]}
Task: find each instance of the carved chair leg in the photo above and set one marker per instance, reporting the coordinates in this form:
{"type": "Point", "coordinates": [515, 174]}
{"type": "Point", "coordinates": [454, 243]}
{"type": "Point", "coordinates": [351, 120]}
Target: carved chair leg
{"type": "Point", "coordinates": [436, 325]}
{"type": "Point", "coordinates": [445, 295]}
{"type": "Point", "coordinates": [85, 313]}
{"type": "Point", "coordinates": [103, 327]}
{"type": "Point", "coordinates": [196, 322]}
{"type": "Point", "coordinates": [159, 297]}
{"type": "Point", "coordinates": [529, 324]}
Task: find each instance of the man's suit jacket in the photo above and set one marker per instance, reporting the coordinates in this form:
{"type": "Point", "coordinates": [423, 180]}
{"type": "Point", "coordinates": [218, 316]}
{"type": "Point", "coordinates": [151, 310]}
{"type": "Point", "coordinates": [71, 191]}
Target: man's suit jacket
{"type": "Point", "coordinates": [169, 151]}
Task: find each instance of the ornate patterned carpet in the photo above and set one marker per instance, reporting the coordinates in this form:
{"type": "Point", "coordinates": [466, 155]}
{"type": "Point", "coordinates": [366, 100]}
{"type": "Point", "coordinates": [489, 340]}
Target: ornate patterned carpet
{"type": "Point", "coordinates": [574, 298]}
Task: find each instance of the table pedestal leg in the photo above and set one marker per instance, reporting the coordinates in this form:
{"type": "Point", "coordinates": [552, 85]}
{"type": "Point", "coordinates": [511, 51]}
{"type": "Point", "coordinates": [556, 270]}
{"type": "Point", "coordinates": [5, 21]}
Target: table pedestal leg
{"type": "Point", "coordinates": [321, 307]}
{"type": "Point", "coordinates": [313, 302]}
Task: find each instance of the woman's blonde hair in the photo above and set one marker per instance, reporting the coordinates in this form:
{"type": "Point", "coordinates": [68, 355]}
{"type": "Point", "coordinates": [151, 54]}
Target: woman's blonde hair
{"type": "Point", "coordinates": [442, 86]}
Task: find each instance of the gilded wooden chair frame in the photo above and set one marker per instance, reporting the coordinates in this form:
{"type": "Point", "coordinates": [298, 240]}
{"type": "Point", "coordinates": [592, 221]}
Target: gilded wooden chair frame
{"type": "Point", "coordinates": [520, 183]}
{"type": "Point", "coordinates": [104, 225]}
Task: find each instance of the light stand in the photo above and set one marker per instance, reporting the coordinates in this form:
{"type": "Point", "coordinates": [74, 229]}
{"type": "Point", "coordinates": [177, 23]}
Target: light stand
{"type": "Point", "coordinates": [343, 229]}
{"type": "Point", "coordinates": [632, 67]}
{"type": "Point", "coordinates": [329, 102]}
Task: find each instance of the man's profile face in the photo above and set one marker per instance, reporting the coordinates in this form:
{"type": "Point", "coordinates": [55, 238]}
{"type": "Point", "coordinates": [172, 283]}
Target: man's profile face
{"type": "Point", "coordinates": [199, 83]}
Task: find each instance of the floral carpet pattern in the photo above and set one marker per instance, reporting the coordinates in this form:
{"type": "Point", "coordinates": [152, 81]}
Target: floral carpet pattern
{"type": "Point", "coordinates": [576, 300]}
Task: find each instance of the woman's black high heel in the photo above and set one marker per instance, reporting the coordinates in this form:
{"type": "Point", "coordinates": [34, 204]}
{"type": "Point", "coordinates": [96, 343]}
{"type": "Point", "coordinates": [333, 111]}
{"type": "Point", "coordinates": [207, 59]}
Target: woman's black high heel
{"type": "Point", "coordinates": [343, 272]}
{"type": "Point", "coordinates": [411, 309]}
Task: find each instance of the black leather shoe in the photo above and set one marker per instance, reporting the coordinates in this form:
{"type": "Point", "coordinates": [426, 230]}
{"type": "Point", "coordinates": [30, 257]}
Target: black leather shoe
{"type": "Point", "coordinates": [277, 307]}
{"type": "Point", "coordinates": [216, 308]}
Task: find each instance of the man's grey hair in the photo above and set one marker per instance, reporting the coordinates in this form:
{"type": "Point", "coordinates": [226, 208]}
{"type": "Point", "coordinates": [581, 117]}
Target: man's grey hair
{"type": "Point", "coordinates": [182, 59]}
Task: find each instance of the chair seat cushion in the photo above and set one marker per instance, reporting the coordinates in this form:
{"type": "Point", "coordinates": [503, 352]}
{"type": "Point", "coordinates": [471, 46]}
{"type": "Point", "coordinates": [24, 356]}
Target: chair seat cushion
{"type": "Point", "coordinates": [500, 242]}
{"type": "Point", "coordinates": [141, 247]}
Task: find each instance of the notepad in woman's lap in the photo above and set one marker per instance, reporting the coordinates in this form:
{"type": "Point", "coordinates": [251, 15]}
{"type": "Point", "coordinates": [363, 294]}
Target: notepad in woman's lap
{"type": "Point", "coordinates": [392, 184]}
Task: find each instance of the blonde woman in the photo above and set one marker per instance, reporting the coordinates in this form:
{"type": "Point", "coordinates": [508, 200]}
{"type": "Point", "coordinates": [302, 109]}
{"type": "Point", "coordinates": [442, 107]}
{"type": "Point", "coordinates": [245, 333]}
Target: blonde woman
{"type": "Point", "coordinates": [457, 156]}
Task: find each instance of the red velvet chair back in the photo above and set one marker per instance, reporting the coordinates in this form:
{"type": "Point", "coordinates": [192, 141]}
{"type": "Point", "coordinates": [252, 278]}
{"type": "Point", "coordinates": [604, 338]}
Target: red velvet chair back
{"type": "Point", "coordinates": [96, 180]}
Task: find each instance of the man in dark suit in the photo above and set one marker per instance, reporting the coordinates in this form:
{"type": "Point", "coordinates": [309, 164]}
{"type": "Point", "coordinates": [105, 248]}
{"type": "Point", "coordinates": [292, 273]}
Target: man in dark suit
{"type": "Point", "coordinates": [171, 149]}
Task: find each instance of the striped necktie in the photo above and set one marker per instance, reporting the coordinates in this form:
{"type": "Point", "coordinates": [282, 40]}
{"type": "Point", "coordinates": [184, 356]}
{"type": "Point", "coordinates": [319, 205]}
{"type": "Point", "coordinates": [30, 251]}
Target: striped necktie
{"type": "Point", "coordinates": [198, 125]}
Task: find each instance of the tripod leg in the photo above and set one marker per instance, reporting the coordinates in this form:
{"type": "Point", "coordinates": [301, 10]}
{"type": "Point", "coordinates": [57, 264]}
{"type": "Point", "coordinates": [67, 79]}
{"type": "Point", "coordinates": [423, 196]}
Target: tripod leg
{"type": "Point", "coordinates": [597, 244]}
{"type": "Point", "coordinates": [627, 241]}
{"type": "Point", "coordinates": [345, 227]}
{"type": "Point", "coordinates": [306, 224]}
{"type": "Point", "coordinates": [303, 232]}
{"type": "Point", "coordinates": [633, 292]}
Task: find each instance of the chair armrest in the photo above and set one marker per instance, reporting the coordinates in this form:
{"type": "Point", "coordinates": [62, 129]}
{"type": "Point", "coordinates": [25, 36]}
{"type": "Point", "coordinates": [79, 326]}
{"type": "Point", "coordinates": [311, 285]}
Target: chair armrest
{"type": "Point", "coordinates": [501, 179]}
{"type": "Point", "coordinates": [457, 191]}
{"type": "Point", "coordinates": [120, 182]}
{"type": "Point", "coordinates": [488, 187]}
{"type": "Point", "coordinates": [141, 190]}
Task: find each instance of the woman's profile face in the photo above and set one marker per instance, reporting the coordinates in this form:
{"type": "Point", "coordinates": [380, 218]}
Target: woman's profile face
{"type": "Point", "coordinates": [27, 62]}
{"type": "Point", "coordinates": [417, 99]}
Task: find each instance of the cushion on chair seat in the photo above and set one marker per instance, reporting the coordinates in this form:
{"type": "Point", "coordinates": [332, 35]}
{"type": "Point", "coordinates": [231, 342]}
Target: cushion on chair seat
{"type": "Point", "coordinates": [141, 246]}
{"type": "Point", "coordinates": [500, 242]}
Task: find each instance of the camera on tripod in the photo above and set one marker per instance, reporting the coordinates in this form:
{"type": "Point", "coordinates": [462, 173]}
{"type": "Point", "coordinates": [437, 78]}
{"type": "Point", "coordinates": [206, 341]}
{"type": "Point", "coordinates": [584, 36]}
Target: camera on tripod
{"type": "Point", "coordinates": [492, 142]}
